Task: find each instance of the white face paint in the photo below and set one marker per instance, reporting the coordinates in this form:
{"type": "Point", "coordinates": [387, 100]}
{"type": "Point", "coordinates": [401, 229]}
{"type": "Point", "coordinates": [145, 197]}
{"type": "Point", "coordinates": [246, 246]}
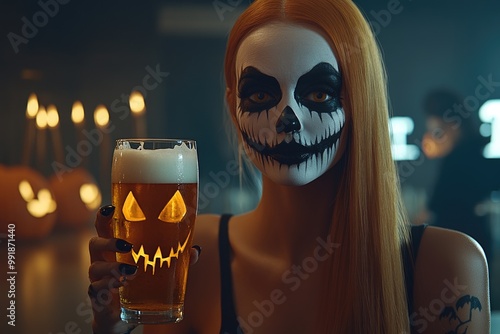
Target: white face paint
{"type": "Point", "coordinates": [288, 105]}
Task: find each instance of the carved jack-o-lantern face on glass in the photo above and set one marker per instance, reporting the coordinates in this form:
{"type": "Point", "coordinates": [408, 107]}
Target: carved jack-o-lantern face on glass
{"type": "Point", "coordinates": [160, 216]}
{"type": "Point", "coordinates": [173, 212]}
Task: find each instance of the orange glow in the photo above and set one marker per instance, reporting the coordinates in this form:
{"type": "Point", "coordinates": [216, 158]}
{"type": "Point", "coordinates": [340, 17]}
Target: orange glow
{"type": "Point", "coordinates": [32, 107]}
{"type": "Point", "coordinates": [52, 116]}
{"type": "Point", "coordinates": [77, 113]}
{"type": "Point", "coordinates": [101, 116]}
{"type": "Point", "coordinates": [175, 209]}
{"type": "Point", "coordinates": [158, 255]}
{"type": "Point", "coordinates": [37, 207]}
{"type": "Point", "coordinates": [430, 147]}
{"type": "Point", "coordinates": [90, 195]}
{"type": "Point", "coordinates": [136, 102]}
{"type": "Point", "coordinates": [434, 148]}
{"type": "Point", "coordinates": [41, 118]}
{"type": "Point", "coordinates": [131, 209]}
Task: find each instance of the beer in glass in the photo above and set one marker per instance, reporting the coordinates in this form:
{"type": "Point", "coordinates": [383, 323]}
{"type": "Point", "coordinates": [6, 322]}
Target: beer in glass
{"type": "Point", "coordinates": [155, 193]}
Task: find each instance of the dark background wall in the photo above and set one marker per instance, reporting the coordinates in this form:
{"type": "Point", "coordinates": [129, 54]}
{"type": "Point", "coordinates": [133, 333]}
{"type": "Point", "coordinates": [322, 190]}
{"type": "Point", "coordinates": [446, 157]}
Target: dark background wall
{"type": "Point", "coordinates": [96, 52]}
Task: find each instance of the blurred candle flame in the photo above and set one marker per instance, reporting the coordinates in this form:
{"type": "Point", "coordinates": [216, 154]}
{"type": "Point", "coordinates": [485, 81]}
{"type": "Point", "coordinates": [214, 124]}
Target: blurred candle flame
{"type": "Point", "coordinates": [32, 106]}
{"type": "Point", "coordinates": [101, 120]}
{"type": "Point", "coordinates": [136, 102]}
{"type": "Point", "coordinates": [53, 122]}
{"type": "Point", "coordinates": [101, 116]}
{"type": "Point", "coordinates": [41, 118]}
{"type": "Point", "coordinates": [77, 113]}
{"type": "Point", "coordinates": [52, 116]}
{"type": "Point", "coordinates": [31, 112]}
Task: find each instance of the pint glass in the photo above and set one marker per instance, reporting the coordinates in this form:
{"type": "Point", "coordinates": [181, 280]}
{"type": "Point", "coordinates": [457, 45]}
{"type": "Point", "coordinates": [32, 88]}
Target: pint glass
{"type": "Point", "coordinates": [155, 194]}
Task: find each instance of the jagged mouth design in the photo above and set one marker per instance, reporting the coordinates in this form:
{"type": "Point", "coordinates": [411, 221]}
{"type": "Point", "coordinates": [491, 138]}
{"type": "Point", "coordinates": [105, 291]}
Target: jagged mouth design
{"type": "Point", "coordinates": [159, 256]}
{"type": "Point", "coordinates": [292, 153]}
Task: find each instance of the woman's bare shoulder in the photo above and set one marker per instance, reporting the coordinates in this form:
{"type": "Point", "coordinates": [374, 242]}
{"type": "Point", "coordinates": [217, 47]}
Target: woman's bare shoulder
{"type": "Point", "coordinates": [206, 229]}
{"type": "Point", "coordinates": [451, 290]}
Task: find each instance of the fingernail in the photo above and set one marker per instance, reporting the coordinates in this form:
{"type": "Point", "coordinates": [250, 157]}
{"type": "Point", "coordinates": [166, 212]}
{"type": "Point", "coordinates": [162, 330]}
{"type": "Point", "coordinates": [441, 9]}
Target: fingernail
{"type": "Point", "coordinates": [127, 269]}
{"type": "Point", "coordinates": [198, 248]}
{"type": "Point", "coordinates": [107, 210]}
{"type": "Point", "coordinates": [123, 245]}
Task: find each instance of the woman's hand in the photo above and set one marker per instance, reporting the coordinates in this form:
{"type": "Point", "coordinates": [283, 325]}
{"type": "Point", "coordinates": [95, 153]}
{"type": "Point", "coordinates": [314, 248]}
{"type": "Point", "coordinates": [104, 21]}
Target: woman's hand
{"type": "Point", "coordinates": [106, 275]}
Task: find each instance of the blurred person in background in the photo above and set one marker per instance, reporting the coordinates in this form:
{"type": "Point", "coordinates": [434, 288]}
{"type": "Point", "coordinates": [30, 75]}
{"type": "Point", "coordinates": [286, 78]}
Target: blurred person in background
{"type": "Point", "coordinates": [465, 179]}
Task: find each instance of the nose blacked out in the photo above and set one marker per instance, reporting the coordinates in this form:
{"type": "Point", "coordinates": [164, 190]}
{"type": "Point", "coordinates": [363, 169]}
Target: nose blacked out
{"type": "Point", "coordinates": [288, 121]}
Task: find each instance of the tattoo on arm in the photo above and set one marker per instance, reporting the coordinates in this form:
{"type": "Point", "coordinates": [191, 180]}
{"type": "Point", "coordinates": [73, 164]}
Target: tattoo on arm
{"type": "Point", "coordinates": [460, 315]}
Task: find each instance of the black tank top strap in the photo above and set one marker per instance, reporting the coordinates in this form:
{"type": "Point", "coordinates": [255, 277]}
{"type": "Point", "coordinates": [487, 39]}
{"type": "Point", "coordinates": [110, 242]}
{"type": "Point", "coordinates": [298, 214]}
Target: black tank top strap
{"type": "Point", "coordinates": [409, 253]}
{"type": "Point", "coordinates": [229, 320]}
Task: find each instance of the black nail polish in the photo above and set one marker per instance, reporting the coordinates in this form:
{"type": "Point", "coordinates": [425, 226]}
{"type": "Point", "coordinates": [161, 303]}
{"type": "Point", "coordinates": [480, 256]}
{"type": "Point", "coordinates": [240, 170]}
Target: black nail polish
{"type": "Point", "coordinates": [127, 269]}
{"type": "Point", "coordinates": [198, 248]}
{"type": "Point", "coordinates": [123, 246]}
{"type": "Point", "coordinates": [107, 210]}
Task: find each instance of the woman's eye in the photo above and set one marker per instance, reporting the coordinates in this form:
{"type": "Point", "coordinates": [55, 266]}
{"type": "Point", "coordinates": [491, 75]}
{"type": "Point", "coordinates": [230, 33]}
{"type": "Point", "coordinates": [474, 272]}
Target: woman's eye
{"type": "Point", "coordinates": [260, 97]}
{"type": "Point", "coordinates": [318, 97]}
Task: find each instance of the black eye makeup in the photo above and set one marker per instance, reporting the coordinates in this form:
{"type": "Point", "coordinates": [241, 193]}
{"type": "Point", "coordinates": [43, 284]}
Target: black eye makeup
{"type": "Point", "coordinates": [319, 89]}
{"type": "Point", "coordinates": [257, 91]}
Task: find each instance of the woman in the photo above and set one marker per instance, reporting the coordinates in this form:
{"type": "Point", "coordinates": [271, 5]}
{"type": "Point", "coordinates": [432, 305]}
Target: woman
{"type": "Point", "coordinates": [327, 248]}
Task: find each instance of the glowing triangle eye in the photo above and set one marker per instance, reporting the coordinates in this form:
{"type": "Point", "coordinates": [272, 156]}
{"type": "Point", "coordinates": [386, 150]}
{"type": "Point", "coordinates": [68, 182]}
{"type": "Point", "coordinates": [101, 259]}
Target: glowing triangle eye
{"type": "Point", "coordinates": [131, 209]}
{"type": "Point", "coordinates": [175, 209]}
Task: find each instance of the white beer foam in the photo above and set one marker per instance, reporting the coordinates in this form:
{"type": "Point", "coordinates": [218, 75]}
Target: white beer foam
{"type": "Point", "coordinates": [176, 165]}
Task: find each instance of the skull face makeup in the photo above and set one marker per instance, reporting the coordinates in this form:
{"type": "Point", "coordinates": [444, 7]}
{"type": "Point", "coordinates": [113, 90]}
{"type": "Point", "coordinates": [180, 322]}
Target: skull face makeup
{"type": "Point", "coordinates": [288, 106]}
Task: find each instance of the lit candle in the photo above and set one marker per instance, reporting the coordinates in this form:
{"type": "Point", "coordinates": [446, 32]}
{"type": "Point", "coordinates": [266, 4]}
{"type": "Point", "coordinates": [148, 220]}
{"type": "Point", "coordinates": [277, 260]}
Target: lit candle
{"type": "Point", "coordinates": [53, 123]}
{"type": "Point", "coordinates": [78, 118]}
{"type": "Point", "coordinates": [41, 124]}
{"type": "Point", "coordinates": [138, 108]}
{"type": "Point", "coordinates": [101, 120]}
{"type": "Point", "coordinates": [31, 111]}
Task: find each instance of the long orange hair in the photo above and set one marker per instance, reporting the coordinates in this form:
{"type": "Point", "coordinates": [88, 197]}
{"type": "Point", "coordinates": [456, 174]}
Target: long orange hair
{"type": "Point", "coordinates": [365, 288]}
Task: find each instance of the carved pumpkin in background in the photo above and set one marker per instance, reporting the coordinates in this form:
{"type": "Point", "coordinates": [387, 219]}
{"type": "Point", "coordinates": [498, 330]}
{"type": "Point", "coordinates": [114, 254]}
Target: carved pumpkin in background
{"type": "Point", "coordinates": [27, 201]}
{"type": "Point", "coordinates": [77, 196]}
